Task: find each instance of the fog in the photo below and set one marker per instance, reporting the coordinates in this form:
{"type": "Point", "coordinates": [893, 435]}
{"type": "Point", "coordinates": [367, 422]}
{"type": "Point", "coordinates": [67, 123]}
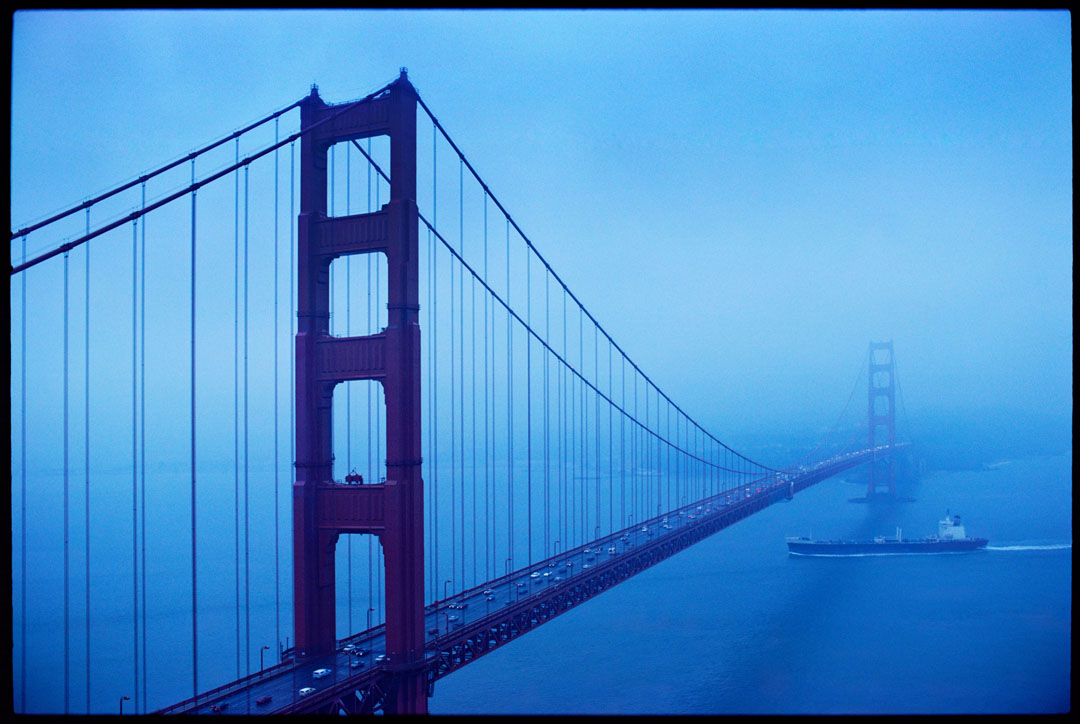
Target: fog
{"type": "Point", "coordinates": [764, 192]}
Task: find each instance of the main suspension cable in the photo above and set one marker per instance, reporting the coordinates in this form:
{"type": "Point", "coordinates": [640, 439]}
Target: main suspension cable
{"type": "Point", "coordinates": [147, 176]}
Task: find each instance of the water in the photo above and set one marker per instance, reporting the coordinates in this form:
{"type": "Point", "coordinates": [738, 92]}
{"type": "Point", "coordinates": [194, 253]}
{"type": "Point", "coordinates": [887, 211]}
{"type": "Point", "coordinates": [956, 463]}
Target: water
{"type": "Point", "coordinates": [731, 625]}
{"type": "Point", "coordinates": [735, 625]}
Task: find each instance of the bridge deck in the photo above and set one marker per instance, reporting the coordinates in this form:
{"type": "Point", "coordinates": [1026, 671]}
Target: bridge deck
{"type": "Point", "coordinates": [505, 608]}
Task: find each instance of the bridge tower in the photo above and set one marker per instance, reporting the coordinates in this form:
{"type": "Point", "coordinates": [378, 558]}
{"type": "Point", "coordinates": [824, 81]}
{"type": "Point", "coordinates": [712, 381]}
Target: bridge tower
{"type": "Point", "coordinates": [322, 509]}
{"type": "Point", "coordinates": [881, 414]}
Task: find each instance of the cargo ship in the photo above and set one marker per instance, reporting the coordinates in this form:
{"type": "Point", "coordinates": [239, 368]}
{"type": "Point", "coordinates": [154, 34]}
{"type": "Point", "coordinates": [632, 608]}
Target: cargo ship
{"type": "Point", "coordinates": [950, 538]}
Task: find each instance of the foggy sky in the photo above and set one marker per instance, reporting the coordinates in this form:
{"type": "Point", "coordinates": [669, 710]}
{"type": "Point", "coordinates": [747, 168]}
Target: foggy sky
{"type": "Point", "coordinates": [743, 199]}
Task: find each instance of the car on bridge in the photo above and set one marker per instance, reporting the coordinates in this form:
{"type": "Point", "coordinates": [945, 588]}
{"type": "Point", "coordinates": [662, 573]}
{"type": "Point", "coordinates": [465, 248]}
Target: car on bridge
{"type": "Point", "coordinates": [356, 664]}
{"type": "Point", "coordinates": [263, 700]}
{"type": "Point", "coordinates": [320, 673]}
{"type": "Point", "coordinates": [307, 691]}
{"type": "Point", "coordinates": [382, 659]}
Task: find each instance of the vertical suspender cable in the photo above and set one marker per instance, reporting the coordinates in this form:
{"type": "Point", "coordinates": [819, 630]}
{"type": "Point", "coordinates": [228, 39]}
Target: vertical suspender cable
{"type": "Point", "coordinates": [370, 391]}
{"type": "Point", "coordinates": [22, 491]}
{"type": "Point", "coordinates": [584, 428]}
{"type": "Point", "coordinates": [563, 482]}
{"type": "Point", "coordinates": [547, 478]}
{"type": "Point", "coordinates": [348, 387]}
{"type": "Point", "coordinates": [67, 581]}
{"type": "Point", "coordinates": [370, 329]}
{"type": "Point", "coordinates": [461, 357]}
{"type": "Point", "coordinates": [236, 401]}
{"type": "Point", "coordinates": [135, 454]}
{"type": "Point", "coordinates": [487, 445]}
{"type": "Point", "coordinates": [277, 440]}
{"type": "Point", "coordinates": [509, 404]}
{"type": "Point", "coordinates": [429, 497]}
{"type": "Point", "coordinates": [528, 401]}
{"type": "Point", "coordinates": [472, 397]}
{"type": "Point", "coordinates": [379, 407]}
{"type": "Point", "coordinates": [292, 320]}
{"type": "Point", "coordinates": [142, 429]}
{"type": "Point", "coordinates": [194, 579]}
{"type": "Point", "coordinates": [611, 447]}
{"type": "Point", "coordinates": [453, 438]}
{"type": "Point", "coordinates": [86, 449]}
{"type": "Point", "coordinates": [434, 354]}
{"type": "Point", "coordinates": [596, 396]}
{"type": "Point", "coordinates": [247, 560]}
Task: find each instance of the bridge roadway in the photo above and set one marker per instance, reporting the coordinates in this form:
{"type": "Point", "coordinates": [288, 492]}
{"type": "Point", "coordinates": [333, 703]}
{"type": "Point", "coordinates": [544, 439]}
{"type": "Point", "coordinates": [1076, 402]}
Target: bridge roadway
{"type": "Point", "coordinates": [465, 626]}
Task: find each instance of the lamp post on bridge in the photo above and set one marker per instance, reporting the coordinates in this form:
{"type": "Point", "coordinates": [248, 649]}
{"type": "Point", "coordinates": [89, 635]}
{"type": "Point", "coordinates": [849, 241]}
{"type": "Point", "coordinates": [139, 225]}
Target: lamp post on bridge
{"type": "Point", "coordinates": [369, 612]}
{"type": "Point", "coordinates": [445, 583]}
{"type": "Point", "coordinates": [264, 648]}
{"type": "Point", "coordinates": [122, 700]}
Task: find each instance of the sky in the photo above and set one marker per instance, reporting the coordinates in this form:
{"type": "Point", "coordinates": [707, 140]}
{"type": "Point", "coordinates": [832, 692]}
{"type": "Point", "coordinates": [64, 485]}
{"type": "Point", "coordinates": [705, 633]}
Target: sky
{"type": "Point", "coordinates": [744, 199]}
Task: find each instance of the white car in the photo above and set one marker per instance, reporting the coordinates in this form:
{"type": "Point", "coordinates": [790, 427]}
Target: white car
{"type": "Point", "coordinates": [320, 673]}
{"type": "Point", "coordinates": [611, 549]}
{"type": "Point", "coordinates": [306, 690]}
{"type": "Point", "coordinates": [382, 659]}
{"type": "Point", "coordinates": [349, 648]}
{"type": "Point", "coordinates": [534, 574]}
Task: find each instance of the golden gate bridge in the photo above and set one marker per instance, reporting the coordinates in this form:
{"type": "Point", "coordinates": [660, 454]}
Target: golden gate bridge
{"type": "Point", "coordinates": [471, 453]}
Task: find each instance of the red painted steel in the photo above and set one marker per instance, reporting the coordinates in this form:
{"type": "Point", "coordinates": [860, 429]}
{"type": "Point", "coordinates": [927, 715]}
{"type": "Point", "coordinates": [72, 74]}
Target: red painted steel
{"type": "Point", "coordinates": [886, 391]}
{"type": "Point", "coordinates": [323, 511]}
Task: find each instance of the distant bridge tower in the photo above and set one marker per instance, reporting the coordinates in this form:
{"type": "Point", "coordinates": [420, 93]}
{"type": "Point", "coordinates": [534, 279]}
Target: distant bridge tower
{"type": "Point", "coordinates": [882, 414]}
{"type": "Point", "coordinates": [392, 511]}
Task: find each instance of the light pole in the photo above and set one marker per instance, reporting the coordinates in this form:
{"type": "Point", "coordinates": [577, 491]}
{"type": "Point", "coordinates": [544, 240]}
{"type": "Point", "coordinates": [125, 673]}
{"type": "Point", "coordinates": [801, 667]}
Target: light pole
{"type": "Point", "coordinates": [264, 648]}
{"type": "Point", "coordinates": [369, 612]}
{"type": "Point", "coordinates": [447, 581]}
{"type": "Point", "coordinates": [122, 700]}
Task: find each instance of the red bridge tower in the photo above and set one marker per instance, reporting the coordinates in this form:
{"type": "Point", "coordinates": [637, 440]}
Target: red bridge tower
{"type": "Point", "coordinates": [881, 413]}
{"type": "Point", "coordinates": [392, 511]}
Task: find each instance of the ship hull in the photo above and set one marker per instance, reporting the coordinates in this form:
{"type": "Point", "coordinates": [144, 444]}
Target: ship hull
{"type": "Point", "coordinates": [872, 548]}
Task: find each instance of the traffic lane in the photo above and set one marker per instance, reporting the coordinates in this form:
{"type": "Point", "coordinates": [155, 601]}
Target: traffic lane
{"type": "Point", "coordinates": [284, 688]}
